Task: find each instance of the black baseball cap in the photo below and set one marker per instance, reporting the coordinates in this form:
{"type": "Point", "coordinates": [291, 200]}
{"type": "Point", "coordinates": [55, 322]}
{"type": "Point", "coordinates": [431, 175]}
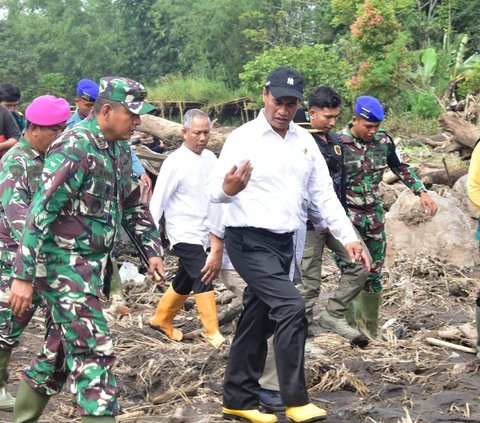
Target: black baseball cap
{"type": "Point", "coordinates": [285, 82]}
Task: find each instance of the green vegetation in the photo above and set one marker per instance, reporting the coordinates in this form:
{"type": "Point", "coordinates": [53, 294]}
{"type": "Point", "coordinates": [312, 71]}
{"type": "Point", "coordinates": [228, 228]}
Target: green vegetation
{"type": "Point", "coordinates": [416, 57]}
{"type": "Point", "coordinates": [312, 61]}
{"type": "Point", "coordinates": [409, 124]}
{"type": "Point", "coordinates": [202, 89]}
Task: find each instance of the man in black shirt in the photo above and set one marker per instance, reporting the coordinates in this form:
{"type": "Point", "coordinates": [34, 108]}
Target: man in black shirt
{"type": "Point", "coordinates": [324, 109]}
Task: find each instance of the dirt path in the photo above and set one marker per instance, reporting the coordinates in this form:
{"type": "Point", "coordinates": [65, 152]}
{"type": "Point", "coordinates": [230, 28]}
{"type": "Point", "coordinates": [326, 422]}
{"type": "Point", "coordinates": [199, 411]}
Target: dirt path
{"type": "Point", "coordinates": [399, 381]}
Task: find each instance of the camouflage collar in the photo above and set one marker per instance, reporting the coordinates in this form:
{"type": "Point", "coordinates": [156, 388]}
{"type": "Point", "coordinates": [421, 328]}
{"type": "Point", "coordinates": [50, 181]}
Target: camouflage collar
{"type": "Point", "coordinates": [350, 138]}
{"type": "Point", "coordinates": [30, 151]}
{"type": "Point", "coordinates": [91, 124]}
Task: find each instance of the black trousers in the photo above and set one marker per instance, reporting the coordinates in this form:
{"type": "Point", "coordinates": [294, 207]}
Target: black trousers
{"type": "Point", "coordinates": [191, 259]}
{"type": "Point", "coordinates": [271, 304]}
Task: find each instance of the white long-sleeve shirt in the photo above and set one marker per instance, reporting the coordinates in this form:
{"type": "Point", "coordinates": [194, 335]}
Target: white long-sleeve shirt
{"type": "Point", "coordinates": [286, 172]}
{"type": "Point", "coordinates": [181, 193]}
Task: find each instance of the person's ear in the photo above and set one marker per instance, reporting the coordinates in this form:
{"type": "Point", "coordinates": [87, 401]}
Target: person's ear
{"type": "Point", "coordinates": [106, 111]}
{"type": "Point", "coordinates": [264, 93]}
{"type": "Point", "coordinates": [34, 129]}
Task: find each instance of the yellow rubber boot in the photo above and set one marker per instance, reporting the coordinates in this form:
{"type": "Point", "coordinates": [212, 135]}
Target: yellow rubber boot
{"type": "Point", "coordinates": [308, 413]}
{"type": "Point", "coordinates": [166, 311]}
{"type": "Point", "coordinates": [253, 416]}
{"type": "Point", "coordinates": [207, 310]}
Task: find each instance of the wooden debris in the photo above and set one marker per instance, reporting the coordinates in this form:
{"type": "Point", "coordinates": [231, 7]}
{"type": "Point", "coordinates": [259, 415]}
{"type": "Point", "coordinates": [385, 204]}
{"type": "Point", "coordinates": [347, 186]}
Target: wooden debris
{"type": "Point", "coordinates": [173, 393]}
{"type": "Point", "coordinates": [463, 131]}
{"type": "Point", "coordinates": [445, 344]}
{"type": "Point", "coordinates": [171, 132]}
{"type": "Point", "coordinates": [129, 416]}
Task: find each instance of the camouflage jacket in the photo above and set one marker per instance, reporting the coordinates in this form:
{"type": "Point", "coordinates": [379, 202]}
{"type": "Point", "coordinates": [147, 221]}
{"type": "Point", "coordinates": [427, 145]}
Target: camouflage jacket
{"type": "Point", "coordinates": [87, 189]}
{"type": "Point", "coordinates": [20, 171]}
{"type": "Point", "coordinates": [365, 164]}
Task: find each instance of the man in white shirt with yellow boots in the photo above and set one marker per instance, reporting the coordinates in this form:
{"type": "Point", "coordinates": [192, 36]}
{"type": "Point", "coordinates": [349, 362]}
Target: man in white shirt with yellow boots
{"type": "Point", "coordinates": [181, 195]}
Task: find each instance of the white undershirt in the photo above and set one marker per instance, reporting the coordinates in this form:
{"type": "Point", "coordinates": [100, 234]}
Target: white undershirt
{"type": "Point", "coordinates": [181, 193]}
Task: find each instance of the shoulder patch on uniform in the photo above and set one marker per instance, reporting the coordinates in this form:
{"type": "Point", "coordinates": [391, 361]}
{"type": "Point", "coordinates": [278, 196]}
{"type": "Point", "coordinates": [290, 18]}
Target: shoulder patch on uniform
{"type": "Point", "coordinates": [384, 137]}
{"type": "Point", "coordinates": [17, 170]}
{"type": "Point", "coordinates": [337, 149]}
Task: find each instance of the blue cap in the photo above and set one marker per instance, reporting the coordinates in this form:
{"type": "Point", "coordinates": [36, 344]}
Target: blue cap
{"type": "Point", "coordinates": [87, 89]}
{"type": "Point", "coordinates": [369, 108]}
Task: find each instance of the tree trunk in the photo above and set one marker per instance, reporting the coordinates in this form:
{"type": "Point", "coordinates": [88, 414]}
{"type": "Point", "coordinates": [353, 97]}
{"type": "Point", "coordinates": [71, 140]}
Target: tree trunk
{"type": "Point", "coordinates": [431, 140]}
{"type": "Point", "coordinates": [463, 131]}
{"type": "Point", "coordinates": [430, 176]}
{"type": "Point", "coordinates": [440, 176]}
{"type": "Point", "coordinates": [171, 132]}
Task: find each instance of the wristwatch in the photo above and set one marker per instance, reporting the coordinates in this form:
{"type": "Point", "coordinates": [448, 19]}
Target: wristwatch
{"type": "Point", "coordinates": [419, 192]}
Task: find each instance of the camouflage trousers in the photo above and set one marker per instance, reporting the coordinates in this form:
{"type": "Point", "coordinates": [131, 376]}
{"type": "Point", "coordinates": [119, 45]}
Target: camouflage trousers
{"type": "Point", "coordinates": [11, 327]}
{"type": "Point", "coordinates": [80, 327]}
{"type": "Point", "coordinates": [351, 282]}
{"type": "Point", "coordinates": [376, 241]}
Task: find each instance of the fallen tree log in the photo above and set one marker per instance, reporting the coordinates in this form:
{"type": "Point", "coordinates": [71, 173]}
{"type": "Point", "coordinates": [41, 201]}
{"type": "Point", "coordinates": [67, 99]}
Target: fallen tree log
{"type": "Point", "coordinates": [430, 176]}
{"type": "Point", "coordinates": [448, 177]}
{"type": "Point", "coordinates": [171, 132]}
{"type": "Point", "coordinates": [463, 131]}
{"type": "Point", "coordinates": [434, 141]}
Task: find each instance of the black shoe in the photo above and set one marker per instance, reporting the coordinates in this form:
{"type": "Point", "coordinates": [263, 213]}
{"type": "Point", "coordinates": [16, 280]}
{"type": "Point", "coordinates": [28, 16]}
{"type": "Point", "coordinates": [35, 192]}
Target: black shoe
{"type": "Point", "coordinates": [270, 400]}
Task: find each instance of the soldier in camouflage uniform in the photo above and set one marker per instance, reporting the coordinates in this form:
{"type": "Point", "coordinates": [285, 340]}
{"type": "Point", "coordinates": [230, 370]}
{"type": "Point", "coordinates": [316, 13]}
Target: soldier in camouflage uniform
{"type": "Point", "coordinates": [369, 151]}
{"type": "Point", "coordinates": [20, 172]}
{"type": "Point", "coordinates": [86, 191]}
{"type": "Point", "coordinates": [324, 109]}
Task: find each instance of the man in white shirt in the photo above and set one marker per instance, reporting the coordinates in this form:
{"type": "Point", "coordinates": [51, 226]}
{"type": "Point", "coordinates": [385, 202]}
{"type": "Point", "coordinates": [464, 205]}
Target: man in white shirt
{"type": "Point", "coordinates": [267, 169]}
{"type": "Point", "coordinates": [181, 195]}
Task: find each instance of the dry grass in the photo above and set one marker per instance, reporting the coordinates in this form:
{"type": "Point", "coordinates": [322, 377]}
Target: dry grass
{"type": "Point", "coordinates": [165, 381]}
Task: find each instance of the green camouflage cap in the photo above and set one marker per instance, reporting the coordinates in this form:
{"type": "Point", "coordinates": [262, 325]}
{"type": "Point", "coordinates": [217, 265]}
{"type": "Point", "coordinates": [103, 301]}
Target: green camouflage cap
{"type": "Point", "coordinates": [126, 91]}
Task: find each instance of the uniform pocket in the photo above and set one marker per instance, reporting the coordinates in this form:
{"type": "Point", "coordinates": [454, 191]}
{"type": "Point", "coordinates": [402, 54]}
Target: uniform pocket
{"type": "Point", "coordinates": [353, 166]}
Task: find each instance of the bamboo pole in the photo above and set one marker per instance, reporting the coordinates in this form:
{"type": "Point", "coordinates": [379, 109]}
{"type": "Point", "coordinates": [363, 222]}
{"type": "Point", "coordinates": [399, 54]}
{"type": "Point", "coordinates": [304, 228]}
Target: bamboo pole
{"type": "Point", "coordinates": [445, 344]}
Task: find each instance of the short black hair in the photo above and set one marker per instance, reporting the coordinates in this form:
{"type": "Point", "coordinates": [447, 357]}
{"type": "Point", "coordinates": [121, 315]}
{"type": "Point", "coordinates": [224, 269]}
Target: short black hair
{"type": "Point", "coordinates": [324, 97]}
{"type": "Point", "coordinates": [9, 92]}
{"type": "Point", "coordinates": [100, 102]}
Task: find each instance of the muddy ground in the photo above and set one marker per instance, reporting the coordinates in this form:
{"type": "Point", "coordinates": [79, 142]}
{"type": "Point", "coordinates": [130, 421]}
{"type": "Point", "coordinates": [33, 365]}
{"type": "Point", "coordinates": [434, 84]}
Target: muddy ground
{"type": "Point", "coordinates": [402, 380]}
